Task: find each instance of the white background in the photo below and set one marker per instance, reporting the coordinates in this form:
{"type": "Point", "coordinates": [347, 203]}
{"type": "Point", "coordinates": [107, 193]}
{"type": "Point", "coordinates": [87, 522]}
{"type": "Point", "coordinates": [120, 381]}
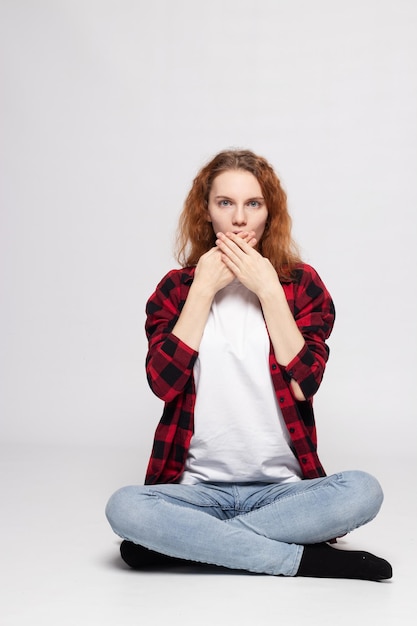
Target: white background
{"type": "Point", "coordinates": [109, 108]}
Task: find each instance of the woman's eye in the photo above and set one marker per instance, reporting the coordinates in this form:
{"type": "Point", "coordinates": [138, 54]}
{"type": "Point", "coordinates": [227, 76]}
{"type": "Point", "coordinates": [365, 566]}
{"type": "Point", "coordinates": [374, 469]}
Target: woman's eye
{"type": "Point", "coordinates": [224, 202]}
{"type": "Point", "coordinates": [254, 204]}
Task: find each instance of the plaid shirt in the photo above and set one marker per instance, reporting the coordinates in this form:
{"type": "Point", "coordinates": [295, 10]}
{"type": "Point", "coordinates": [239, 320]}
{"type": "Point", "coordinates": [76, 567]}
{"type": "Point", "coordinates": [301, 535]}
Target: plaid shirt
{"type": "Point", "coordinates": [169, 368]}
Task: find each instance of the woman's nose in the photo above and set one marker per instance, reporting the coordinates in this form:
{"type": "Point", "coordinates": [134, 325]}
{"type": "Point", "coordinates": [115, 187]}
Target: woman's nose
{"type": "Point", "coordinates": [239, 216]}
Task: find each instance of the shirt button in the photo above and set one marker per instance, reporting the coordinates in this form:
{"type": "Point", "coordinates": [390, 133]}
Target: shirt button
{"type": "Point", "coordinates": [303, 461]}
{"type": "Point", "coordinates": [274, 367]}
{"type": "Point", "coordinates": [290, 373]}
{"type": "Point", "coordinates": [281, 399]}
{"type": "Point", "coordinates": [292, 430]}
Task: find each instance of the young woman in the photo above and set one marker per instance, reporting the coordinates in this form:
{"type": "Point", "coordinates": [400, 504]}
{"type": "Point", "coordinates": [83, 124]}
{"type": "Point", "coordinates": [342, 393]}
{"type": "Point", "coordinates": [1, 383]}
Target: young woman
{"type": "Point", "coordinates": [236, 352]}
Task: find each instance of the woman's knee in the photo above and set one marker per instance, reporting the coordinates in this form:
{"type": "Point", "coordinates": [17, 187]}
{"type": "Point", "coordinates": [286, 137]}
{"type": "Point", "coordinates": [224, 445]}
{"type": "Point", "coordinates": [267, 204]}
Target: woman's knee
{"type": "Point", "coordinates": [366, 492]}
{"type": "Point", "coordinates": [121, 507]}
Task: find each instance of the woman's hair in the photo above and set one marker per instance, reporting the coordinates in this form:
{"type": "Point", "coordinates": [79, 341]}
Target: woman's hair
{"type": "Point", "coordinates": [195, 233]}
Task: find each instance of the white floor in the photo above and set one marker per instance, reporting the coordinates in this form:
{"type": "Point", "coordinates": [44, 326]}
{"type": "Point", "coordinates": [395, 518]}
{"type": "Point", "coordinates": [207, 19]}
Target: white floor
{"type": "Point", "coordinates": [60, 565]}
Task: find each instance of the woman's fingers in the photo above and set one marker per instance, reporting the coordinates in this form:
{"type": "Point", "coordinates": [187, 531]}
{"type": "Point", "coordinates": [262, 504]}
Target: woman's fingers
{"type": "Point", "coordinates": [235, 246]}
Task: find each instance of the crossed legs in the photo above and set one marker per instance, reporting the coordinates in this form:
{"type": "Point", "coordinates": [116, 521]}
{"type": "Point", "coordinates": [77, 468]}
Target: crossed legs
{"type": "Point", "coordinates": [261, 528]}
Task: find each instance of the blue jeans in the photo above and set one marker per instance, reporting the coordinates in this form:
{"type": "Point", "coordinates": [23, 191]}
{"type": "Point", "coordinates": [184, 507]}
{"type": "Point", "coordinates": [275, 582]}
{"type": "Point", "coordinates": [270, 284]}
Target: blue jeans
{"type": "Point", "coordinates": [257, 527]}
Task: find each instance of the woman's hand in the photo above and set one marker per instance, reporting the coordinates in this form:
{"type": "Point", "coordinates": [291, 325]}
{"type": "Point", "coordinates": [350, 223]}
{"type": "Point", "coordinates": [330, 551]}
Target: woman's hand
{"type": "Point", "coordinates": [247, 265]}
{"type": "Point", "coordinates": [212, 273]}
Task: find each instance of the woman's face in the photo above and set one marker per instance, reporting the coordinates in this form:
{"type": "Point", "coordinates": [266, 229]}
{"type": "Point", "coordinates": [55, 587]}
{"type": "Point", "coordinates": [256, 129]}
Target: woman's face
{"type": "Point", "coordinates": [236, 204]}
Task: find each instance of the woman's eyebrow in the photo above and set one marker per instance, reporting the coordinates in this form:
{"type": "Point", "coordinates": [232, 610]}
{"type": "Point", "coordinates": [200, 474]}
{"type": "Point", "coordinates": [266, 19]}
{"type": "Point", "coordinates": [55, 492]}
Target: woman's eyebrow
{"type": "Point", "coordinates": [229, 198]}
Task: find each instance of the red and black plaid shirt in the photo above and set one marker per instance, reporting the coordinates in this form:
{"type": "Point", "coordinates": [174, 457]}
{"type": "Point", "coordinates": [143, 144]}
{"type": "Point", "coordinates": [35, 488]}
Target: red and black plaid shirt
{"type": "Point", "coordinates": [170, 362]}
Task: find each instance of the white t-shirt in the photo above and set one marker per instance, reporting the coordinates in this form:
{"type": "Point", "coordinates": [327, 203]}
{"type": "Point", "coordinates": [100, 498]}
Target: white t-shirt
{"type": "Point", "coordinates": [239, 432]}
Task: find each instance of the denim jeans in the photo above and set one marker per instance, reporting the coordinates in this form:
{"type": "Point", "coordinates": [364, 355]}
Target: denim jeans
{"type": "Point", "coordinates": [257, 527]}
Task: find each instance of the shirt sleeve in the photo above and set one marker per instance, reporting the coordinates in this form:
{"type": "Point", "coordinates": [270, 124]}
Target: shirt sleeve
{"type": "Point", "coordinates": [169, 361]}
{"type": "Point", "coordinates": [314, 314]}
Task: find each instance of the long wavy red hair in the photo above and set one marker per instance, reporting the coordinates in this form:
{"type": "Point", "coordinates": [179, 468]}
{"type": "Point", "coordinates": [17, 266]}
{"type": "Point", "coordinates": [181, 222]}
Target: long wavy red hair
{"type": "Point", "coordinates": [195, 234]}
